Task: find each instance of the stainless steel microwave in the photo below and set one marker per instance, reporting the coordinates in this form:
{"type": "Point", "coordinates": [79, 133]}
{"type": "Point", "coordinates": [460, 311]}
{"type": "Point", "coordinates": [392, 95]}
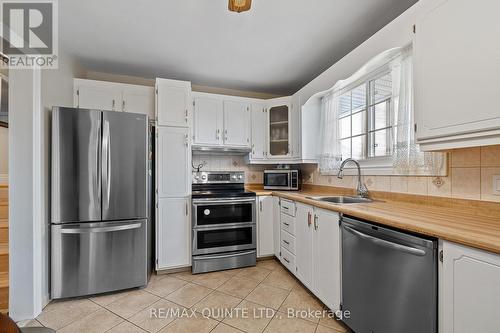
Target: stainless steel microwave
{"type": "Point", "coordinates": [282, 179]}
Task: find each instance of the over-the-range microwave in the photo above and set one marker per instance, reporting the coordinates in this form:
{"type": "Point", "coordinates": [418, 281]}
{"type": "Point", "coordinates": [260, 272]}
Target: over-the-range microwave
{"type": "Point", "coordinates": [282, 179]}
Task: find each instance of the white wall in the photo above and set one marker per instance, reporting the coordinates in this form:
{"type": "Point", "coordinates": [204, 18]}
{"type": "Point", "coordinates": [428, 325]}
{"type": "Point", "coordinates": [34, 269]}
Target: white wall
{"type": "Point", "coordinates": [397, 33]}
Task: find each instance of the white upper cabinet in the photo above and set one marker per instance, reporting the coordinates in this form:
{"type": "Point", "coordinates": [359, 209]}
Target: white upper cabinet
{"type": "Point", "coordinates": [296, 137]}
{"type": "Point", "coordinates": [208, 121]}
{"type": "Point", "coordinates": [173, 103]}
{"type": "Point", "coordinates": [457, 71]}
{"type": "Point", "coordinates": [259, 132]}
{"type": "Point", "coordinates": [279, 131]}
{"type": "Point", "coordinates": [236, 123]}
{"type": "Point", "coordinates": [173, 162]}
{"type": "Point", "coordinates": [471, 297]}
{"type": "Point", "coordinates": [138, 99]}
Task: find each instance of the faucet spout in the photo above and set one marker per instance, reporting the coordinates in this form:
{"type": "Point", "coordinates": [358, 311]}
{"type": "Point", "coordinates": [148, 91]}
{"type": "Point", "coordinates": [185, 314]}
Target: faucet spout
{"type": "Point", "coordinates": [361, 188]}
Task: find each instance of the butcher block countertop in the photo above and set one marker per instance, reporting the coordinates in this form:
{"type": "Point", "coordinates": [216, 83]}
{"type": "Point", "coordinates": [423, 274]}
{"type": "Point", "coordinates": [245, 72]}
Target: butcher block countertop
{"type": "Point", "coordinates": [467, 222]}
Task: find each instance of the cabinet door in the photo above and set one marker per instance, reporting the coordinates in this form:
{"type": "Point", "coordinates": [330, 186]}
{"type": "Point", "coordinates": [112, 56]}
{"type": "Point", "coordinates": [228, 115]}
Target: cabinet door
{"type": "Point", "coordinates": [278, 112]}
{"type": "Point", "coordinates": [173, 233]}
{"type": "Point", "coordinates": [276, 226]}
{"type": "Point", "coordinates": [173, 162]}
{"type": "Point", "coordinates": [471, 290]}
{"type": "Point", "coordinates": [265, 226]}
{"type": "Point", "coordinates": [98, 95]}
{"type": "Point", "coordinates": [236, 124]}
{"type": "Point", "coordinates": [173, 103]}
{"type": "Point", "coordinates": [259, 132]}
{"type": "Point", "coordinates": [326, 258]}
{"type": "Point", "coordinates": [139, 100]}
{"type": "Point", "coordinates": [456, 69]}
{"type": "Point", "coordinates": [208, 114]}
{"type": "Point", "coordinates": [303, 244]}
{"type": "Point", "coordinates": [295, 134]}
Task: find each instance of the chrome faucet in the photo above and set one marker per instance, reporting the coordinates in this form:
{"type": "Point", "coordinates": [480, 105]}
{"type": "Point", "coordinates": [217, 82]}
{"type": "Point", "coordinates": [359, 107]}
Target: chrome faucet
{"type": "Point", "coordinates": [362, 190]}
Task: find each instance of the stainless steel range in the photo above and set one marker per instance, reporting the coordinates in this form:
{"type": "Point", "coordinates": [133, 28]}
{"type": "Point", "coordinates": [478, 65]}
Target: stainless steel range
{"type": "Point", "coordinates": [224, 222]}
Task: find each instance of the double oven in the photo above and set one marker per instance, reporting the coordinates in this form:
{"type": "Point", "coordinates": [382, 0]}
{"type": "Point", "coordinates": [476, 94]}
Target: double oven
{"type": "Point", "coordinates": [224, 222]}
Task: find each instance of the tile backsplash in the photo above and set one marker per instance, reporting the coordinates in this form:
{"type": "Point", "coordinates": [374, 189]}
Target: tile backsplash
{"type": "Point", "coordinates": [470, 176]}
{"type": "Point", "coordinates": [253, 173]}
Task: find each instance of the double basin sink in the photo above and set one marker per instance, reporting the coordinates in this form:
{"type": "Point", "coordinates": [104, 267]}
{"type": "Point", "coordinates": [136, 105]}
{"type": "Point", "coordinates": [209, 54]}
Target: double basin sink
{"type": "Point", "coordinates": [341, 199]}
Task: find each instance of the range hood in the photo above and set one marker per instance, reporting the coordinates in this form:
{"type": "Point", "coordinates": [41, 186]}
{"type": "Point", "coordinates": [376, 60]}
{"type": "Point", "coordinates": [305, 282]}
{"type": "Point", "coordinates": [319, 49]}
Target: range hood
{"type": "Point", "coordinates": [222, 150]}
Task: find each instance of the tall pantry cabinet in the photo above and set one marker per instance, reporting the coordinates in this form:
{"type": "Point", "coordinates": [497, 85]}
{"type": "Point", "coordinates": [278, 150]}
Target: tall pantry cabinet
{"type": "Point", "coordinates": [173, 165]}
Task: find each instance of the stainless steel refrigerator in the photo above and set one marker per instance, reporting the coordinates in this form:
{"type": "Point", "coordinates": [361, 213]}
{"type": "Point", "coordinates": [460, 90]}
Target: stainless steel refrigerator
{"type": "Point", "coordinates": [100, 235]}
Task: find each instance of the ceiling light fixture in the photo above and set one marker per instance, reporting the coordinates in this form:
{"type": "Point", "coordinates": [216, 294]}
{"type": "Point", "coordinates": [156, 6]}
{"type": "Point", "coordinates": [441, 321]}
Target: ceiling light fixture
{"type": "Point", "coordinates": [239, 5]}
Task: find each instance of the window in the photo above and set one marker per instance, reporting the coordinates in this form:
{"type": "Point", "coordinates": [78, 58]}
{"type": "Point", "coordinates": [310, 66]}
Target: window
{"type": "Point", "coordinates": [366, 119]}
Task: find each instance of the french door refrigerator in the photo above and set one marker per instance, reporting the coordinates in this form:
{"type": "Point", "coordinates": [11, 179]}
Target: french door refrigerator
{"type": "Point", "coordinates": [99, 201]}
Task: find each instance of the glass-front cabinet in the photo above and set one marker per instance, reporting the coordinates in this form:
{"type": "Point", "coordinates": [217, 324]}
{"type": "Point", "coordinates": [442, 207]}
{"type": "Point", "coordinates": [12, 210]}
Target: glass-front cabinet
{"type": "Point", "coordinates": [279, 128]}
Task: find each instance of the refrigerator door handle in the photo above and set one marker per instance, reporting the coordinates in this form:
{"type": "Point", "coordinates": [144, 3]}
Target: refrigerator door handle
{"type": "Point", "coordinates": [106, 176]}
{"type": "Point", "coordinates": [100, 229]}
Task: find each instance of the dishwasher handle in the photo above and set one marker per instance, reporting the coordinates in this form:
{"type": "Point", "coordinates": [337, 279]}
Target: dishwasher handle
{"type": "Point", "coordinates": [385, 243]}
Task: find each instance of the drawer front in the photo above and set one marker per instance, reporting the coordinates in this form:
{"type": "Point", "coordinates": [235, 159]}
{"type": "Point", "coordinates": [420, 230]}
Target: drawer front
{"type": "Point", "coordinates": [288, 224]}
{"type": "Point", "coordinates": [288, 241]}
{"type": "Point", "coordinates": [288, 207]}
{"type": "Point", "coordinates": [288, 260]}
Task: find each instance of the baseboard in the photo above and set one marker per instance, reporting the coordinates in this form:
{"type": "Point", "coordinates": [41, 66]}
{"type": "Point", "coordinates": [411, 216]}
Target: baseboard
{"type": "Point", "coordinates": [4, 178]}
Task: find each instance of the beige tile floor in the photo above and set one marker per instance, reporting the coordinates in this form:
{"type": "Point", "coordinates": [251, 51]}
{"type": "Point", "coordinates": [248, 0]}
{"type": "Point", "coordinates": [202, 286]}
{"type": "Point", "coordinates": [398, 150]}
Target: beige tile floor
{"type": "Point", "coordinates": [254, 299]}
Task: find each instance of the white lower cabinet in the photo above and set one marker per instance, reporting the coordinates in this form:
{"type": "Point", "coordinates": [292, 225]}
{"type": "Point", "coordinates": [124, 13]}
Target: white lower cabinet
{"type": "Point", "coordinates": [265, 226]}
{"type": "Point", "coordinates": [304, 245]}
{"type": "Point", "coordinates": [471, 283]}
{"type": "Point", "coordinates": [276, 226]}
{"type": "Point", "coordinates": [173, 233]}
{"type": "Point", "coordinates": [313, 254]}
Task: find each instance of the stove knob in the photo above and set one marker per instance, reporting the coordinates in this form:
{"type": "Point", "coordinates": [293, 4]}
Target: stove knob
{"type": "Point", "coordinates": [204, 177]}
{"type": "Point", "coordinates": [196, 177]}
{"type": "Point", "coordinates": [240, 177]}
{"type": "Point", "coordinates": [234, 177]}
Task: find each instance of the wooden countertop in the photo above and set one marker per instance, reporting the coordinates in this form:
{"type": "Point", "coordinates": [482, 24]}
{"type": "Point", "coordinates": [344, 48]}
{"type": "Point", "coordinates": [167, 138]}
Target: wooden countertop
{"type": "Point", "coordinates": [468, 224]}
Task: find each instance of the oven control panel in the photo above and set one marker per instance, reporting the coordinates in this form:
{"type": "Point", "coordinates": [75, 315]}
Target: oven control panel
{"type": "Point", "coordinates": [218, 177]}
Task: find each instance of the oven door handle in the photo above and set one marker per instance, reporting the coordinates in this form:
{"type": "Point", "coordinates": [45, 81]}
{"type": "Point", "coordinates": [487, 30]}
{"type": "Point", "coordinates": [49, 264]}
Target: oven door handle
{"type": "Point", "coordinates": [228, 226]}
{"type": "Point", "coordinates": [208, 257]}
{"type": "Point", "coordinates": [228, 201]}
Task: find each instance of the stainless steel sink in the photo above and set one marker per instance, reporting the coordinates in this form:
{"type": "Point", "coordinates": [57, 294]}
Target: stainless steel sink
{"type": "Point", "coordinates": [342, 199]}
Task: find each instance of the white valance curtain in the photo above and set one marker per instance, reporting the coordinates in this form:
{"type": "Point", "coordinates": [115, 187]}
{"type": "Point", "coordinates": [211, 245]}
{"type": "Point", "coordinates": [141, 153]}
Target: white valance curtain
{"type": "Point", "coordinates": [407, 158]}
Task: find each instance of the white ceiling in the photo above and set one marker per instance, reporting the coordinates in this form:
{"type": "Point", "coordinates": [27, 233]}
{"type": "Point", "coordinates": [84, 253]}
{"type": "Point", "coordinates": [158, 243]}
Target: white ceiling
{"type": "Point", "coordinates": [277, 47]}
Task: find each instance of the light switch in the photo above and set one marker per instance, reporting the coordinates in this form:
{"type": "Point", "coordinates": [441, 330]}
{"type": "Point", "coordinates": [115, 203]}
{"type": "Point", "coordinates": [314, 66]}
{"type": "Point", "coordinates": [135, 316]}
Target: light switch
{"type": "Point", "coordinates": [496, 185]}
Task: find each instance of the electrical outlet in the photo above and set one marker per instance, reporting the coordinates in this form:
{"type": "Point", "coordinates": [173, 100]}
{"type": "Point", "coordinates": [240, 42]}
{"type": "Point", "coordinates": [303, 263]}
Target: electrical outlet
{"type": "Point", "coordinates": [496, 185]}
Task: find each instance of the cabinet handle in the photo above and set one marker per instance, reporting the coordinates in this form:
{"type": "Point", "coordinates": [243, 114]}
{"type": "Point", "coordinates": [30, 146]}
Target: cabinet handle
{"type": "Point", "coordinates": [186, 140]}
{"type": "Point", "coordinates": [260, 205]}
{"type": "Point", "coordinates": [186, 118]}
{"type": "Point", "coordinates": [286, 242]}
{"type": "Point", "coordinates": [187, 212]}
{"type": "Point", "coordinates": [218, 132]}
{"type": "Point", "coordinates": [288, 261]}
{"type": "Point", "coordinates": [123, 105]}
{"type": "Point", "coordinates": [287, 224]}
{"type": "Point", "coordinates": [315, 222]}
{"type": "Point", "coordinates": [113, 105]}
{"type": "Point", "coordinates": [309, 222]}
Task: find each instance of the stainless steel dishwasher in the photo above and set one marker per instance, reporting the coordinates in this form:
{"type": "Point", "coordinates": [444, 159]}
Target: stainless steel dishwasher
{"type": "Point", "coordinates": [389, 279]}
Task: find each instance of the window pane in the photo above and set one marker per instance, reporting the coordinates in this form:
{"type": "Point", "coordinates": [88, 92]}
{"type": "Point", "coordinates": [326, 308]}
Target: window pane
{"type": "Point", "coordinates": [380, 141]}
{"type": "Point", "coordinates": [381, 116]}
{"type": "Point", "coordinates": [345, 104]}
{"type": "Point", "coordinates": [359, 97]}
{"type": "Point", "coordinates": [359, 123]}
{"type": "Point", "coordinates": [345, 127]}
{"type": "Point", "coordinates": [381, 88]}
{"type": "Point", "coordinates": [358, 147]}
{"type": "Point", "coordinates": [345, 146]}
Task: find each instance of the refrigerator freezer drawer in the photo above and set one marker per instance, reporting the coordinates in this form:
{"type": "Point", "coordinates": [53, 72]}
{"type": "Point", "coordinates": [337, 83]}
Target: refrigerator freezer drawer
{"type": "Point", "coordinates": [92, 258]}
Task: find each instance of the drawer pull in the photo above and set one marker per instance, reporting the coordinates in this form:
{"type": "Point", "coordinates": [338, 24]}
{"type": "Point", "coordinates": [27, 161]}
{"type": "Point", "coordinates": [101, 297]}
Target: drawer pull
{"type": "Point", "coordinates": [288, 261]}
{"type": "Point", "coordinates": [286, 242]}
{"type": "Point", "coordinates": [287, 224]}
{"type": "Point", "coordinates": [285, 207]}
